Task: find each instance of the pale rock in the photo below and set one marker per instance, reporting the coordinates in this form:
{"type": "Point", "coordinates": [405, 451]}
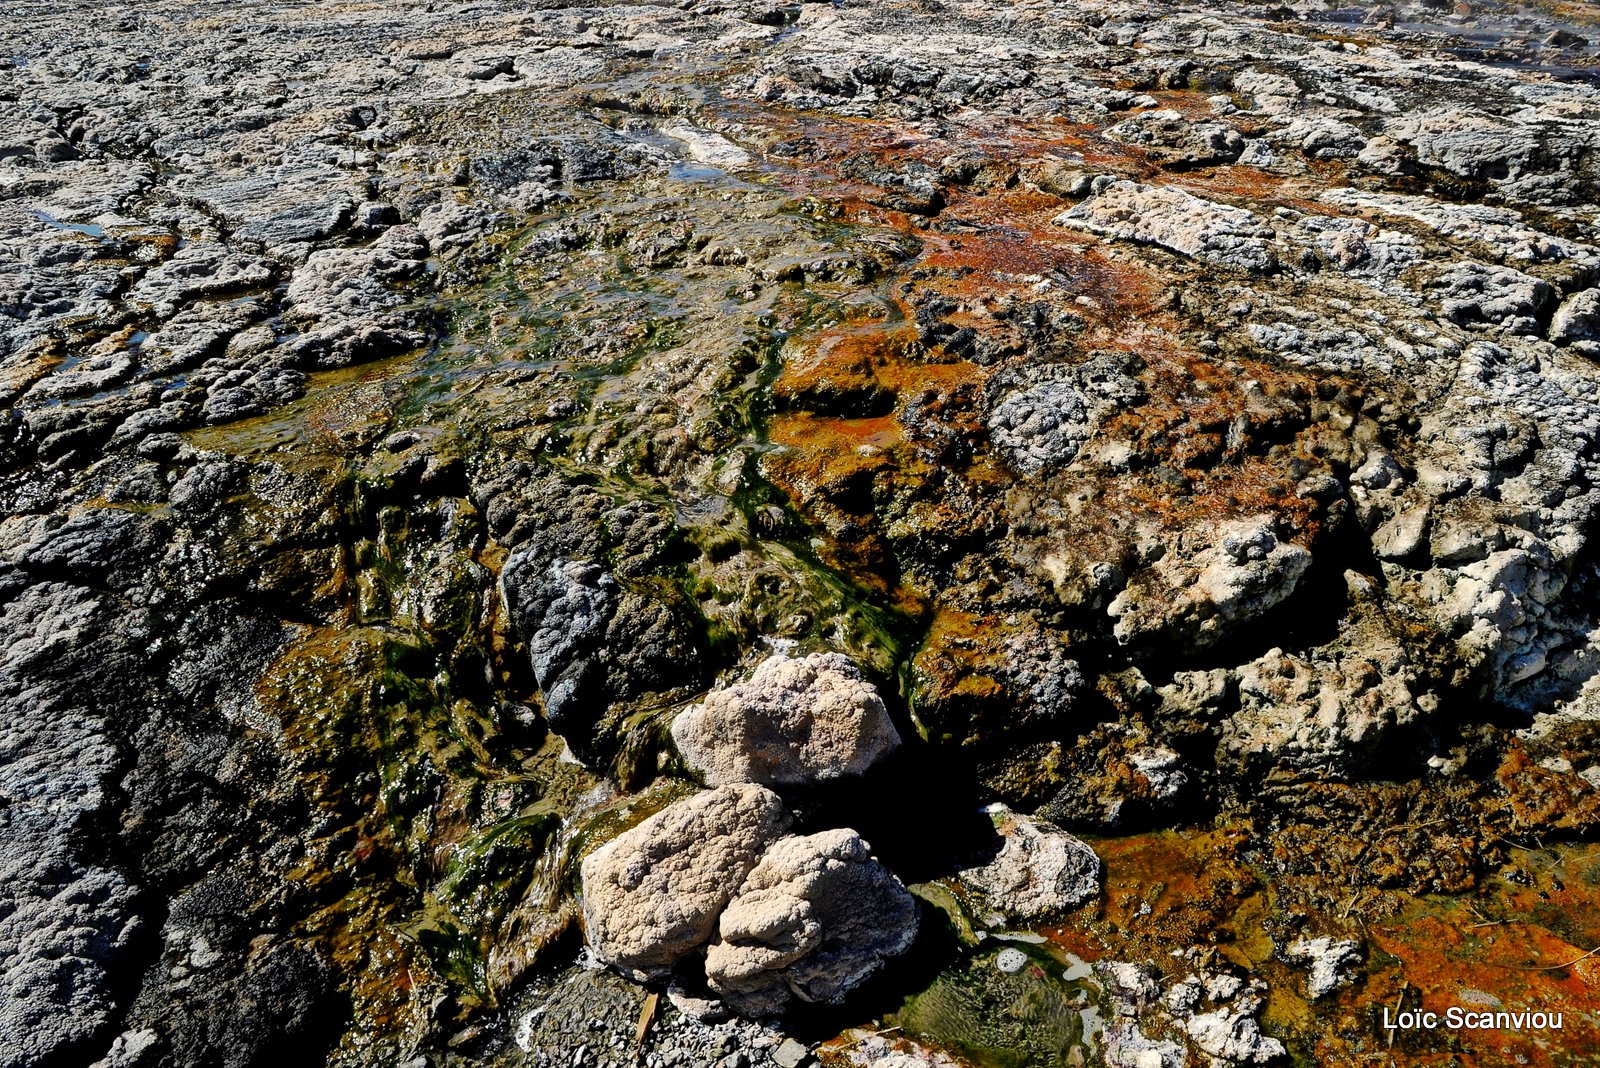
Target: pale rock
{"type": "Point", "coordinates": [1044, 415]}
{"type": "Point", "coordinates": [353, 282]}
{"type": "Point", "coordinates": [653, 894]}
{"type": "Point", "coordinates": [1577, 323]}
{"type": "Point", "coordinates": [1326, 708]}
{"type": "Point", "coordinates": [790, 1054]}
{"type": "Point", "coordinates": [1195, 693]}
{"type": "Point", "coordinates": [1160, 769]}
{"type": "Point", "coordinates": [1501, 229]}
{"type": "Point", "coordinates": [705, 146]}
{"type": "Point", "coordinates": [1322, 137]}
{"type": "Point", "coordinates": [1272, 93]}
{"type": "Point", "coordinates": [1497, 296]}
{"type": "Point", "coordinates": [795, 721]}
{"type": "Point", "coordinates": [1126, 1046]}
{"type": "Point", "coordinates": [201, 269]}
{"type": "Point", "coordinates": [1463, 533]}
{"type": "Point", "coordinates": [1256, 153]}
{"type": "Point", "coordinates": [131, 1049]}
{"type": "Point", "coordinates": [1494, 606]}
{"type": "Point", "coordinates": [1234, 1037]}
{"type": "Point", "coordinates": [1010, 961]}
{"type": "Point", "coordinates": [1469, 143]}
{"type": "Point", "coordinates": [1250, 570]}
{"type": "Point", "coordinates": [1042, 427]}
{"type": "Point", "coordinates": [1178, 142]}
{"type": "Point", "coordinates": [1039, 868]}
{"type": "Point", "coordinates": [299, 200]}
{"type": "Point", "coordinates": [1130, 986]}
{"type": "Point", "coordinates": [1177, 221]}
{"type": "Point", "coordinates": [1225, 1033]}
{"type": "Point", "coordinates": [817, 916]}
{"type": "Point", "coordinates": [1402, 533]}
{"type": "Point", "coordinates": [1329, 959]}
{"type": "Point", "coordinates": [1244, 570]}
{"type": "Point", "coordinates": [1385, 155]}
{"type": "Point", "coordinates": [1378, 471]}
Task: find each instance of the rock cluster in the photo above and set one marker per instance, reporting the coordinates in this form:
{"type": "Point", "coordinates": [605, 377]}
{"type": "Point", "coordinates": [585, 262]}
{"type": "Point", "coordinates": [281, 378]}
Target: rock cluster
{"type": "Point", "coordinates": [654, 893]}
{"type": "Point", "coordinates": [1215, 1014]}
{"type": "Point", "coordinates": [778, 918]}
{"type": "Point", "coordinates": [1189, 404]}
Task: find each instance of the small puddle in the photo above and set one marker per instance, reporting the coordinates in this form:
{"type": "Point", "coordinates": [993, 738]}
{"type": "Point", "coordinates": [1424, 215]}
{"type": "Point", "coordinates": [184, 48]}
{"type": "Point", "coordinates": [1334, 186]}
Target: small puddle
{"type": "Point", "coordinates": [1044, 1012]}
{"type": "Point", "coordinates": [88, 229]}
{"type": "Point", "coordinates": [685, 171]}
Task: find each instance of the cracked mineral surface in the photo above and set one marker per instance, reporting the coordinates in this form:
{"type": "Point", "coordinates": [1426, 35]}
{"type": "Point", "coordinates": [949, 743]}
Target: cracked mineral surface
{"type": "Point", "coordinates": [882, 532]}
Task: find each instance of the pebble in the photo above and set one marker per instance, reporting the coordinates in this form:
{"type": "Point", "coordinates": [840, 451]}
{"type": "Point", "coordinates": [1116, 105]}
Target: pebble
{"type": "Point", "coordinates": [1010, 961]}
{"type": "Point", "coordinates": [790, 1054]}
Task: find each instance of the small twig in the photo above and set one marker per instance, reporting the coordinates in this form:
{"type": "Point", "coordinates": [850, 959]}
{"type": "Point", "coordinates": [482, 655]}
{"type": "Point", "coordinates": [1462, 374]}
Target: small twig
{"type": "Point", "coordinates": [1553, 967]}
{"type": "Point", "coordinates": [1483, 921]}
{"type": "Point", "coordinates": [647, 1016]}
{"type": "Point", "coordinates": [1513, 845]}
{"type": "Point", "coordinates": [1398, 1001]}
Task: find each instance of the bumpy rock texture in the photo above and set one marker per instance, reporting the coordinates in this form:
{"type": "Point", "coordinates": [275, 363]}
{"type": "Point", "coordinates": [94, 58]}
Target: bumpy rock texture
{"type": "Point", "coordinates": [816, 917]}
{"type": "Point", "coordinates": [1038, 869]}
{"type": "Point", "coordinates": [1186, 415]}
{"type": "Point", "coordinates": [1328, 960]}
{"type": "Point", "coordinates": [793, 722]}
{"type": "Point", "coordinates": [778, 919]}
{"type": "Point", "coordinates": [653, 894]}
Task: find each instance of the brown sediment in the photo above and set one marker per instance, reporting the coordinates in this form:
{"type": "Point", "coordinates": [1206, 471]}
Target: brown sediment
{"type": "Point", "coordinates": [1176, 888]}
{"type": "Point", "coordinates": [1205, 416]}
{"type": "Point", "coordinates": [1521, 944]}
{"type": "Point", "coordinates": [1501, 954]}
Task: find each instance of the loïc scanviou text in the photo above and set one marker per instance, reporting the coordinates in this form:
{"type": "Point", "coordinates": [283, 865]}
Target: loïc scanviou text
{"type": "Point", "coordinates": [1456, 1018]}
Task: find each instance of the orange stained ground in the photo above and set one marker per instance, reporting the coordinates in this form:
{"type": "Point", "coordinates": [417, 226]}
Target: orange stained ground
{"type": "Point", "coordinates": [1524, 945]}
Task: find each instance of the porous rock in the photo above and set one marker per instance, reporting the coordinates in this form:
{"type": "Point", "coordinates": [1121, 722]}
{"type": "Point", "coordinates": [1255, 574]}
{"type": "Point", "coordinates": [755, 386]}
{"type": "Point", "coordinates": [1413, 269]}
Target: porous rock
{"type": "Point", "coordinates": [1577, 323]}
{"type": "Point", "coordinates": [653, 893]}
{"type": "Point", "coordinates": [1329, 961]}
{"type": "Point", "coordinates": [806, 720]}
{"type": "Point", "coordinates": [815, 918]}
{"type": "Point", "coordinates": [1331, 707]}
{"type": "Point", "coordinates": [1245, 570]}
{"type": "Point", "coordinates": [1038, 868]}
{"type": "Point", "coordinates": [1177, 221]}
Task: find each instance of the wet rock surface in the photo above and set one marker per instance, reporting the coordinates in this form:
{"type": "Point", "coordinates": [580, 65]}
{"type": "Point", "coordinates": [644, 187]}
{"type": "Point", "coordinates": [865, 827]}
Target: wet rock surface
{"type": "Point", "coordinates": [422, 425]}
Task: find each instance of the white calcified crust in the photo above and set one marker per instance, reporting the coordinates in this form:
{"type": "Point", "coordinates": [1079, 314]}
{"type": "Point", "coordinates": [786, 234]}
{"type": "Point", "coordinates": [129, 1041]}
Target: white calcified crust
{"type": "Point", "coordinates": [815, 918]}
{"type": "Point", "coordinates": [806, 720]}
{"type": "Point", "coordinates": [1039, 869]}
{"type": "Point", "coordinates": [1177, 221]}
{"type": "Point", "coordinates": [653, 893]}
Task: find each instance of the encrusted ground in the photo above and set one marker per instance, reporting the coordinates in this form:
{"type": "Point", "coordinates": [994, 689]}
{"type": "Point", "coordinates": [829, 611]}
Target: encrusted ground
{"type": "Point", "coordinates": [1183, 421]}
